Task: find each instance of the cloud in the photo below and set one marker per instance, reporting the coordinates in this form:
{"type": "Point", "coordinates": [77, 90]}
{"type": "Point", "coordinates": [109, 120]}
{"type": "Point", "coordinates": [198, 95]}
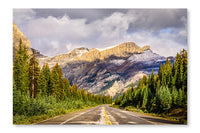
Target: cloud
{"type": "Point", "coordinates": [57, 28]}
{"type": "Point", "coordinates": [59, 32]}
{"type": "Point", "coordinates": [23, 15]}
{"type": "Point", "coordinates": [156, 19]}
{"type": "Point", "coordinates": [162, 44]}
{"type": "Point", "coordinates": [88, 14]}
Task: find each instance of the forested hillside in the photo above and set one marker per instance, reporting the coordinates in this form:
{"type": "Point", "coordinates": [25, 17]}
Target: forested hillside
{"type": "Point", "coordinates": [161, 92]}
{"type": "Point", "coordinates": [40, 93]}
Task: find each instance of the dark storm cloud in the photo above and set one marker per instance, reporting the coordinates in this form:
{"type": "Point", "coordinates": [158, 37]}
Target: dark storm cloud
{"type": "Point", "coordinates": [88, 14]}
{"type": "Point", "coordinates": [157, 19]}
{"type": "Point", "coordinates": [55, 31]}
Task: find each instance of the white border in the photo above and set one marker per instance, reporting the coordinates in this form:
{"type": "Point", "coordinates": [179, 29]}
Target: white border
{"type": "Point", "coordinates": [6, 62]}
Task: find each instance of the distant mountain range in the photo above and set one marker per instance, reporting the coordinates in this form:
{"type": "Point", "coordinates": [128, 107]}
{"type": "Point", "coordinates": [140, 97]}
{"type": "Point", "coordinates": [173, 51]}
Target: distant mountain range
{"type": "Point", "coordinates": [108, 70]}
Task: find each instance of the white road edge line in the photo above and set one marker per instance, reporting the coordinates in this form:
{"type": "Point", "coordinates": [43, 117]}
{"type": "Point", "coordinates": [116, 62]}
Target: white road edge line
{"type": "Point", "coordinates": [75, 116]}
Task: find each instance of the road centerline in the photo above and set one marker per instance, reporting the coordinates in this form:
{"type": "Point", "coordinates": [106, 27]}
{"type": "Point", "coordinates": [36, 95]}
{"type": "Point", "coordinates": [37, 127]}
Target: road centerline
{"type": "Point", "coordinates": [107, 117]}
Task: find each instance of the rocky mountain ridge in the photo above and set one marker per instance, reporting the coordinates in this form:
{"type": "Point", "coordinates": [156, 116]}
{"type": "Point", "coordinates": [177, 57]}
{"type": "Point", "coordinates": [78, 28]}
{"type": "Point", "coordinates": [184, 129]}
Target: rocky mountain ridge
{"type": "Point", "coordinates": [123, 50]}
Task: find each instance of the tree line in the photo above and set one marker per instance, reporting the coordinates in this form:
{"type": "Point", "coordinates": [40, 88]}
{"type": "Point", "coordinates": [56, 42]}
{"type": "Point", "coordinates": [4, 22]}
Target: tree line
{"type": "Point", "coordinates": [30, 82]}
{"type": "Point", "coordinates": [162, 91]}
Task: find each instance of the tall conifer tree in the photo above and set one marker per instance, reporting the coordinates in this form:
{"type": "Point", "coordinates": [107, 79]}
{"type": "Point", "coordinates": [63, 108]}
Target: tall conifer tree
{"type": "Point", "coordinates": [34, 75]}
{"type": "Point", "coordinates": [21, 69]}
{"type": "Point", "coordinates": [45, 80]}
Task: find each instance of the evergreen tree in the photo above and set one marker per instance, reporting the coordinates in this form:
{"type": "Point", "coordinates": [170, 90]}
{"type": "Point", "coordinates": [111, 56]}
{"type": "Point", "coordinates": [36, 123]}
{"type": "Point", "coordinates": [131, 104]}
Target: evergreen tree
{"type": "Point", "coordinates": [168, 74]}
{"type": "Point", "coordinates": [160, 70]}
{"type": "Point", "coordinates": [164, 98]}
{"type": "Point", "coordinates": [54, 81]}
{"type": "Point", "coordinates": [34, 75]}
{"type": "Point", "coordinates": [175, 95]}
{"type": "Point", "coordinates": [21, 69]}
{"type": "Point", "coordinates": [184, 61]}
{"type": "Point", "coordinates": [45, 80]}
{"type": "Point", "coordinates": [151, 83]}
{"type": "Point", "coordinates": [160, 92]}
{"type": "Point", "coordinates": [67, 87]}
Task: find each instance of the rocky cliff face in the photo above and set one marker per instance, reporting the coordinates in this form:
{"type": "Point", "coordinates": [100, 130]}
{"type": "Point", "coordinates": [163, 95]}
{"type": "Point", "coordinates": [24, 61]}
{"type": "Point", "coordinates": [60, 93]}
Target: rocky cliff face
{"type": "Point", "coordinates": [113, 75]}
{"type": "Point", "coordinates": [17, 34]}
{"type": "Point", "coordinates": [37, 53]}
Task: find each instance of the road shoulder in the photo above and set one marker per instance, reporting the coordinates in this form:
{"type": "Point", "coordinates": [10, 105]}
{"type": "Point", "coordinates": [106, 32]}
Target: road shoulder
{"type": "Point", "coordinates": [149, 117]}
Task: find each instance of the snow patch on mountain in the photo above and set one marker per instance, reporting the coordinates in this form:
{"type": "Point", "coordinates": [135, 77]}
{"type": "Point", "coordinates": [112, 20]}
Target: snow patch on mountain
{"type": "Point", "coordinates": [102, 49]}
{"type": "Point", "coordinates": [147, 55]}
{"type": "Point", "coordinates": [117, 62]}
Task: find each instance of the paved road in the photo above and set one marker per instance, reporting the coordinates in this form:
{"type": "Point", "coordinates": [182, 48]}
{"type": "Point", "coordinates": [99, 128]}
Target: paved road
{"type": "Point", "coordinates": [105, 115]}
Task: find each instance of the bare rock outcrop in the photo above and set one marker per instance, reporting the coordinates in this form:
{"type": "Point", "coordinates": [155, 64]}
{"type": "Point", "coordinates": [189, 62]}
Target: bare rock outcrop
{"type": "Point", "coordinates": [17, 35]}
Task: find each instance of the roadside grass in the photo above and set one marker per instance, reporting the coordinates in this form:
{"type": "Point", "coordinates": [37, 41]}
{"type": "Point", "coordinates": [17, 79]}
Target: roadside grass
{"type": "Point", "coordinates": [41, 109]}
{"type": "Point", "coordinates": [26, 120]}
{"type": "Point", "coordinates": [179, 115]}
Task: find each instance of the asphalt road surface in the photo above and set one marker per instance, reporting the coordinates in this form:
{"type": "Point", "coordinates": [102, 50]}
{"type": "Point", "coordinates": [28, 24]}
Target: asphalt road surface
{"type": "Point", "coordinates": [105, 115]}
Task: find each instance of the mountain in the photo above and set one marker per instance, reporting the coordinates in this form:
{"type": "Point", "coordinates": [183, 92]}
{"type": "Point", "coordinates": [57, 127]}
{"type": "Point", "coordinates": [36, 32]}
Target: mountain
{"type": "Point", "coordinates": [122, 50]}
{"type": "Point", "coordinates": [37, 53]}
{"type": "Point", "coordinates": [62, 59]}
{"type": "Point", "coordinates": [113, 75]}
{"type": "Point", "coordinates": [84, 54]}
{"type": "Point", "coordinates": [108, 70]}
{"type": "Point", "coordinates": [17, 34]}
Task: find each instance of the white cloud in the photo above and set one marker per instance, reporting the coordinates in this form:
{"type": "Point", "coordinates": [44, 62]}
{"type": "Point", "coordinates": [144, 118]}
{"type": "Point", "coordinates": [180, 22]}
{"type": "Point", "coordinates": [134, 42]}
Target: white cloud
{"type": "Point", "coordinates": [114, 25]}
{"type": "Point", "coordinates": [162, 44]}
{"type": "Point", "coordinates": [63, 34]}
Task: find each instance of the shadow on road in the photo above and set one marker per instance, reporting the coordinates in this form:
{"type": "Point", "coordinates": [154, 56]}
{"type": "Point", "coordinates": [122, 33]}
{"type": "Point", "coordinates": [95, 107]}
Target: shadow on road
{"type": "Point", "coordinates": [160, 120]}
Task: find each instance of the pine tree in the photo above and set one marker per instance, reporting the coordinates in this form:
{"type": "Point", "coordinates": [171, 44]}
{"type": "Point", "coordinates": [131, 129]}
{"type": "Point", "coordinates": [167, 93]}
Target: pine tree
{"type": "Point", "coordinates": [164, 98]}
{"type": "Point", "coordinates": [168, 74]}
{"type": "Point", "coordinates": [67, 87]}
{"type": "Point", "coordinates": [184, 61]}
{"type": "Point", "coordinates": [180, 70]}
{"type": "Point", "coordinates": [57, 82]}
{"type": "Point", "coordinates": [174, 97]}
{"type": "Point", "coordinates": [160, 70]}
{"type": "Point", "coordinates": [152, 83]}
{"type": "Point", "coordinates": [145, 97]}
{"type": "Point", "coordinates": [74, 89]}
{"type": "Point", "coordinates": [160, 92]}
{"type": "Point", "coordinates": [117, 102]}
{"type": "Point", "coordinates": [34, 75]}
{"type": "Point", "coordinates": [54, 81]}
{"type": "Point", "coordinates": [21, 69]}
{"type": "Point", "coordinates": [45, 80]}
{"type": "Point", "coordinates": [177, 65]}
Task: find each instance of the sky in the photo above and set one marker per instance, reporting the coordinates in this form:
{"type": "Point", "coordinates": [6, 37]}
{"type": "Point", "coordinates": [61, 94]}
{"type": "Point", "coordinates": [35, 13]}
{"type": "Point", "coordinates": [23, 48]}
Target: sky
{"type": "Point", "coordinates": [58, 31]}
